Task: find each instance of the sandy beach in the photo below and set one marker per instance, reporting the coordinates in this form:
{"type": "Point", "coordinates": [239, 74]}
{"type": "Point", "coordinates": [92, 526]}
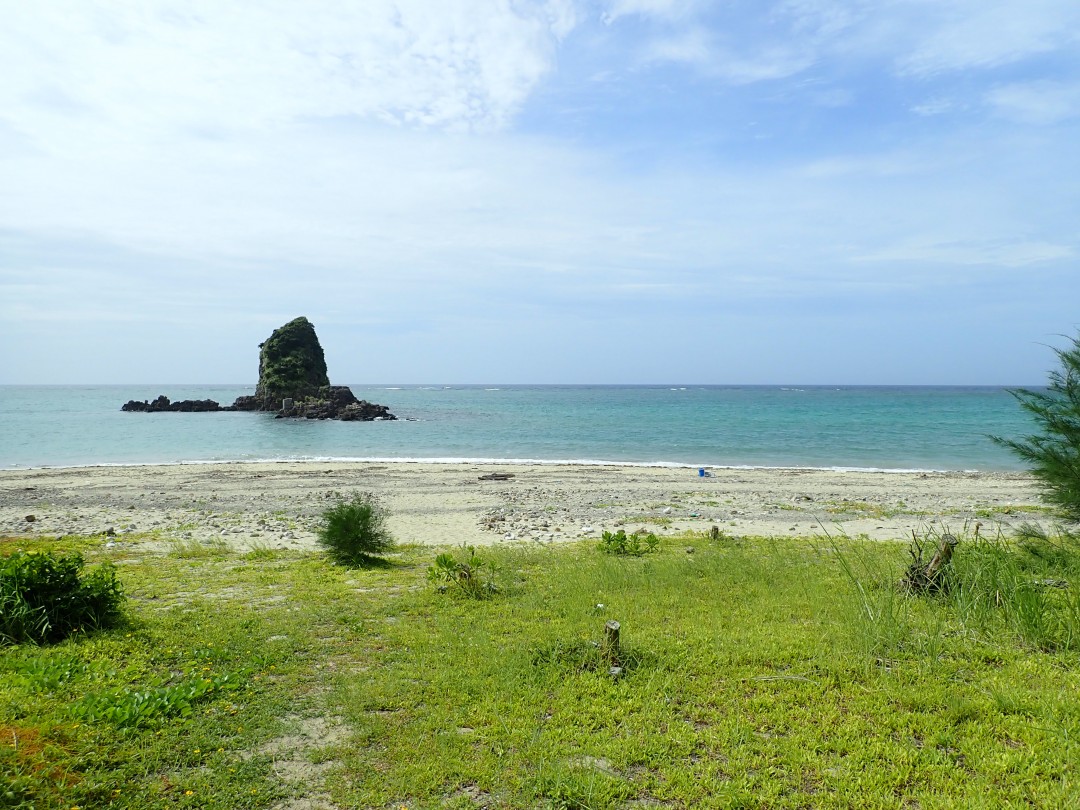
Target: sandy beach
{"type": "Point", "coordinates": [278, 505]}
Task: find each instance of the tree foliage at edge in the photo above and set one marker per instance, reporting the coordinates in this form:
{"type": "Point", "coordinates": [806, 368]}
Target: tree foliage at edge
{"type": "Point", "coordinates": [1054, 453]}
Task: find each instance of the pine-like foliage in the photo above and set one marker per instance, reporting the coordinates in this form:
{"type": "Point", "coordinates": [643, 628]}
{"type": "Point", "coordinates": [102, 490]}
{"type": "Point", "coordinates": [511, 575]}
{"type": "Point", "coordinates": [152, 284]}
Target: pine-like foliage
{"type": "Point", "coordinates": [1054, 452]}
{"type": "Point", "coordinates": [354, 531]}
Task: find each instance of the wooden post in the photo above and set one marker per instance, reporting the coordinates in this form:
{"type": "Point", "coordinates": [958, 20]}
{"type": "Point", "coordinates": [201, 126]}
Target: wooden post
{"type": "Point", "coordinates": [611, 643]}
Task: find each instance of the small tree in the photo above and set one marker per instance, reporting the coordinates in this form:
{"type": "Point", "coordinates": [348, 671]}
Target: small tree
{"type": "Point", "coordinates": [1054, 452]}
{"type": "Point", "coordinates": [353, 531]}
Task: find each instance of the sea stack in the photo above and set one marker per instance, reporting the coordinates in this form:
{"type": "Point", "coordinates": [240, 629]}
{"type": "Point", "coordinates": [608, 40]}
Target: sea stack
{"type": "Point", "coordinates": [291, 365]}
{"type": "Point", "coordinates": [293, 383]}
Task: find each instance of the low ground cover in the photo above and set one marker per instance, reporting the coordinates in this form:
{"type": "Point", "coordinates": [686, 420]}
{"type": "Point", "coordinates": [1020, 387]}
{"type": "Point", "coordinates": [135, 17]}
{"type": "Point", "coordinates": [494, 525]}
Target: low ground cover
{"type": "Point", "coordinates": [758, 673]}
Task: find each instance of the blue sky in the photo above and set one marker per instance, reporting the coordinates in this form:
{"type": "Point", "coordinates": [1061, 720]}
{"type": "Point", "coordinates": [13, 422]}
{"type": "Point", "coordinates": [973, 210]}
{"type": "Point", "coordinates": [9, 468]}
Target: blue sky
{"type": "Point", "coordinates": [631, 191]}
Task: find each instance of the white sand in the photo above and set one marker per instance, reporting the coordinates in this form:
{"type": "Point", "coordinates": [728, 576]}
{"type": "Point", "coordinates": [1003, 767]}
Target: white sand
{"type": "Point", "coordinates": [279, 504]}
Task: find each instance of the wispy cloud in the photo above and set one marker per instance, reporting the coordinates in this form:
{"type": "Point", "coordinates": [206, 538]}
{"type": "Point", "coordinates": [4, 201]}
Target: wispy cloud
{"type": "Point", "coordinates": [243, 66]}
{"type": "Point", "coordinates": [1042, 102]}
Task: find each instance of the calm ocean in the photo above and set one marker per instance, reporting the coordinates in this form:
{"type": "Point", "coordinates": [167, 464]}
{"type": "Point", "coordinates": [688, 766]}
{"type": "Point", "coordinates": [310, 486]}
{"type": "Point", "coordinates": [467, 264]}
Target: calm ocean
{"type": "Point", "coordinates": [894, 428]}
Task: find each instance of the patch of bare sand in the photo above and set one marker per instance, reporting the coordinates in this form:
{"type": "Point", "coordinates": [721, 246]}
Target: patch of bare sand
{"type": "Point", "coordinates": [279, 505]}
{"type": "Point", "coordinates": [293, 762]}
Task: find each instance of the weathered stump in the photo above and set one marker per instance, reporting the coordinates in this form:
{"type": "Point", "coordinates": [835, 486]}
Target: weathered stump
{"type": "Point", "coordinates": [930, 577]}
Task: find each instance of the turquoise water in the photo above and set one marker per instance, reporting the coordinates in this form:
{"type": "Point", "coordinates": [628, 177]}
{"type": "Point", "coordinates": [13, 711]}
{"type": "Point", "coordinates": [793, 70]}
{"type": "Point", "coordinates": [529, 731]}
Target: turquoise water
{"type": "Point", "coordinates": [907, 428]}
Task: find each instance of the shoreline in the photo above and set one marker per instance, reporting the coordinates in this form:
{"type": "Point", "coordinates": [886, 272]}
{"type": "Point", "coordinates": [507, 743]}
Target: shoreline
{"type": "Point", "coordinates": [515, 462]}
{"type": "Point", "coordinates": [278, 504]}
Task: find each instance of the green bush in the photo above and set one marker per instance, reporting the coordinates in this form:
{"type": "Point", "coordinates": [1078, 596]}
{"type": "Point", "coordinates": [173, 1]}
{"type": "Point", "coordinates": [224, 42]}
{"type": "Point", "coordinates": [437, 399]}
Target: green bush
{"type": "Point", "coordinates": [633, 545]}
{"type": "Point", "coordinates": [44, 598]}
{"type": "Point", "coordinates": [354, 530]}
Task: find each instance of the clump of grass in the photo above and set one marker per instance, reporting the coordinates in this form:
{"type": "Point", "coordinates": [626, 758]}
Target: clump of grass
{"type": "Point", "coordinates": [46, 597]}
{"type": "Point", "coordinates": [194, 549]}
{"type": "Point", "coordinates": [354, 530]}
{"type": "Point", "coordinates": [585, 655]}
{"type": "Point", "coordinates": [993, 587]}
{"type": "Point", "coordinates": [1023, 588]}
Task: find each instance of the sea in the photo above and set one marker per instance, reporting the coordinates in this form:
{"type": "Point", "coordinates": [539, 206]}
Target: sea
{"type": "Point", "coordinates": [905, 428]}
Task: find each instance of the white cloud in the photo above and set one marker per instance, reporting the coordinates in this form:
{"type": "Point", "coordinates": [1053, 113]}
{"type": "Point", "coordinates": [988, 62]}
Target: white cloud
{"type": "Point", "coordinates": [1039, 102]}
{"type": "Point", "coordinates": [976, 34]}
{"type": "Point", "coordinates": [988, 253]}
{"type": "Point", "coordinates": [744, 41]}
{"type": "Point", "coordinates": [661, 9]}
{"type": "Point", "coordinates": [937, 106]}
{"type": "Point", "coordinates": [136, 69]}
{"type": "Point", "coordinates": [698, 47]}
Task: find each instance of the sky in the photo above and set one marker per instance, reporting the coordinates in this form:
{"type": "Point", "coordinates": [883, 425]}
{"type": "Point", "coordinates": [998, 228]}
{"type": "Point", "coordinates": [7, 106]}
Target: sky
{"type": "Point", "coordinates": [558, 191]}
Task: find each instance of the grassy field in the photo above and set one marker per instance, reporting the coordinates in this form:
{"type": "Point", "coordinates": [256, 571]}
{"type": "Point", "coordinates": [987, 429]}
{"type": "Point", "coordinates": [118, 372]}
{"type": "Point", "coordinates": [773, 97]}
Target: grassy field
{"type": "Point", "coordinates": [756, 673]}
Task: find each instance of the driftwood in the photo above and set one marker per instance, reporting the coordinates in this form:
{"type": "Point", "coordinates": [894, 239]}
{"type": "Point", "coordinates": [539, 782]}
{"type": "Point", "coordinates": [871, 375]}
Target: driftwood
{"type": "Point", "coordinates": [497, 477]}
{"type": "Point", "coordinates": [931, 577]}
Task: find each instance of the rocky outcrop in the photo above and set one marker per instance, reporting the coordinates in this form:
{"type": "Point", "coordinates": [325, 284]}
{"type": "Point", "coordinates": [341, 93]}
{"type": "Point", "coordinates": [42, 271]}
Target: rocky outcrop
{"type": "Point", "coordinates": [162, 404]}
{"type": "Point", "coordinates": [335, 402]}
{"type": "Point", "coordinates": [291, 366]}
{"type": "Point", "coordinates": [293, 383]}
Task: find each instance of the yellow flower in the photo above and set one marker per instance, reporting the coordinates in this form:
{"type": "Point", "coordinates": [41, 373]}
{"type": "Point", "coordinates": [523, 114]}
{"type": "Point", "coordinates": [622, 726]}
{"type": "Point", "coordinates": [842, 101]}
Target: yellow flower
{"type": "Point", "coordinates": [189, 792]}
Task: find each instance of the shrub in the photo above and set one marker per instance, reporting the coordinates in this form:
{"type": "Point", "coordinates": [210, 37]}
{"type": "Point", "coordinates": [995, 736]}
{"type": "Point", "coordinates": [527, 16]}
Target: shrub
{"type": "Point", "coordinates": [43, 598]}
{"type": "Point", "coordinates": [473, 577]}
{"type": "Point", "coordinates": [633, 545]}
{"type": "Point", "coordinates": [354, 530]}
{"type": "Point", "coordinates": [1054, 452]}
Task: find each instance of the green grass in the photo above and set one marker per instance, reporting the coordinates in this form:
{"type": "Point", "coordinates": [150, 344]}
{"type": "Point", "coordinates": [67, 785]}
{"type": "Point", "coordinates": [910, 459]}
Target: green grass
{"type": "Point", "coordinates": [654, 520]}
{"type": "Point", "coordinates": [760, 673]}
{"type": "Point", "coordinates": [865, 509]}
{"type": "Point", "coordinates": [1013, 509]}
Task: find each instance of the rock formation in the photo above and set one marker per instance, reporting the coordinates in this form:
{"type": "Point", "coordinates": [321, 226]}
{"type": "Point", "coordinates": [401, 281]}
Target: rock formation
{"type": "Point", "coordinates": [291, 365]}
{"type": "Point", "coordinates": [293, 383]}
{"type": "Point", "coordinates": [162, 403]}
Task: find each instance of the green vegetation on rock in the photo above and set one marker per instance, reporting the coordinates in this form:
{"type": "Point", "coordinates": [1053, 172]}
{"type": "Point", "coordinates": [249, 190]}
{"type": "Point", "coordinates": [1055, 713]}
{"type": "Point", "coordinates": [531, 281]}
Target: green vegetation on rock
{"type": "Point", "coordinates": [291, 364]}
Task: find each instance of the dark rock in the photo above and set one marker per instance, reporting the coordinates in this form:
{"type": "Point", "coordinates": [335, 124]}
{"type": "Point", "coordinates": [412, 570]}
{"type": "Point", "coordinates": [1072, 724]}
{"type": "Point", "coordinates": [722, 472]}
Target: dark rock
{"type": "Point", "coordinates": [335, 402]}
{"type": "Point", "coordinates": [162, 405]}
{"type": "Point", "coordinates": [247, 403]}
